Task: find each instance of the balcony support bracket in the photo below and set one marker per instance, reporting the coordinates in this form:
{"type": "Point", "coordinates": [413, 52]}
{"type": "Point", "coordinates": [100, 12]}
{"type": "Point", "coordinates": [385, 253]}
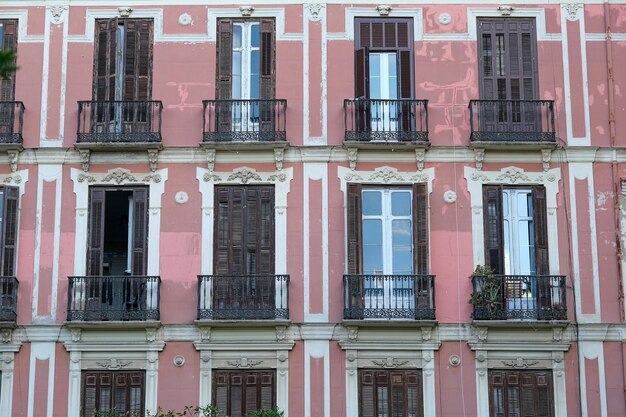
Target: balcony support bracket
{"type": "Point", "coordinates": [153, 158]}
{"type": "Point", "coordinates": [85, 156]}
{"type": "Point", "coordinates": [6, 335]}
{"type": "Point", "coordinates": [479, 157]}
{"type": "Point", "coordinates": [353, 154]}
{"type": "Point", "coordinates": [13, 154]}
{"type": "Point", "coordinates": [210, 159]}
{"type": "Point", "coordinates": [420, 156]}
{"type": "Point", "coordinates": [279, 157]}
{"type": "Point", "coordinates": [546, 156]}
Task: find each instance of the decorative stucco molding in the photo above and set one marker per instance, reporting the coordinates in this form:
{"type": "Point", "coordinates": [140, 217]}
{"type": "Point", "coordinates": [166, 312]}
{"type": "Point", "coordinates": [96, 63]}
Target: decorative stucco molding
{"type": "Point", "coordinates": [519, 363]}
{"type": "Point", "coordinates": [246, 11]}
{"type": "Point", "coordinates": [58, 13]}
{"type": "Point", "coordinates": [124, 11]}
{"type": "Point", "coordinates": [244, 363]}
{"type": "Point", "coordinates": [113, 364]}
{"type": "Point", "coordinates": [383, 9]}
{"type": "Point", "coordinates": [314, 11]}
{"type": "Point", "coordinates": [573, 11]}
{"type": "Point", "coordinates": [389, 363]}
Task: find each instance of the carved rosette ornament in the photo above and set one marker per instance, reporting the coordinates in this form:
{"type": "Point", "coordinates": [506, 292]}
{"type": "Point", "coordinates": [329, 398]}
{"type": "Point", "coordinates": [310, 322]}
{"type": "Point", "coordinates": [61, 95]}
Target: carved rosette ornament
{"type": "Point", "coordinates": [246, 11]}
{"type": "Point", "coordinates": [505, 10]}
{"type": "Point", "coordinates": [124, 11]}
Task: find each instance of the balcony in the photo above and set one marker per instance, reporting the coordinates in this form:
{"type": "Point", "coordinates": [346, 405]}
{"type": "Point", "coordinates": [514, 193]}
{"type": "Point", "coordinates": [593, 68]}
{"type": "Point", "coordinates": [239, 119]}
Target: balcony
{"type": "Point", "coordinates": [512, 122]}
{"type": "Point", "coordinates": [8, 300]}
{"type": "Point", "coordinates": [243, 297]}
{"type": "Point", "coordinates": [377, 121]}
{"type": "Point", "coordinates": [410, 297]}
{"type": "Point", "coordinates": [251, 122]}
{"type": "Point", "coordinates": [113, 298]}
{"type": "Point", "coordinates": [519, 297]}
{"type": "Point", "coordinates": [11, 124]}
{"type": "Point", "coordinates": [127, 124]}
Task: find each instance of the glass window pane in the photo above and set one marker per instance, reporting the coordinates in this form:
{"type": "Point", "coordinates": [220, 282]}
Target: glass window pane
{"type": "Point", "coordinates": [254, 41]}
{"type": "Point", "coordinates": [372, 232]}
{"type": "Point", "coordinates": [372, 246]}
{"type": "Point", "coordinates": [372, 205]}
{"type": "Point", "coordinates": [237, 34]}
{"type": "Point", "coordinates": [401, 232]}
{"type": "Point", "coordinates": [523, 209]}
{"type": "Point", "coordinates": [402, 260]}
{"type": "Point", "coordinates": [401, 203]}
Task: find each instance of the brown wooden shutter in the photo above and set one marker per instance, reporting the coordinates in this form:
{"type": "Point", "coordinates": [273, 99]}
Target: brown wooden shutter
{"type": "Point", "coordinates": [239, 393]}
{"type": "Point", "coordinates": [540, 221]}
{"type": "Point", "coordinates": [268, 59]}
{"type": "Point", "coordinates": [95, 236]}
{"type": "Point", "coordinates": [140, 230]}
{"type": "Point", "coordinates": [420, 228]}
{"type": "Point", "coordinates": [220, 392]}
{"type": "Point", "coordinates": [105, 62]}
{"type": "Point", "coordinates": [493, 226]}
{"type": "Point", "coordinates": [244, 232]}
{"type": "Point", "coordinates": [511, 74]}
{"type": "Point", "coordinates": [521, 393]}
{"type": "Point", "coordinates": [138, 59]}
{"type": "Point", "coordinates": [9, 41]}
{"type": "Point", "coordinates": [103, 391]}
{"type": "Point", "coordinates": [392, 393]}
{"type": "Point", "coordinates": [367, 395]}
{"type": "Point", "coordinates": [355, 262]}
{"type": "Point", "coordinates": [9, 232]}
{"type": "Point", "coordinates": [362, 89]}
{"type": "Point", "coordinates": [224, 59]}
{"type": "Point", "coordinates": [361, 73]}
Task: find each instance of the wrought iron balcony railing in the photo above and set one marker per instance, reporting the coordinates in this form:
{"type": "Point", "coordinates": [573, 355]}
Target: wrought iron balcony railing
{"type": "Point", "coordinates": [510, 121]}
{"type": "Point", "coordinates": [113, 298]}
{"type": "Point", "coordinates": [255, 121]}
{"type": "Point", "coordinates": [519, 297]}
{"type": "Point", "coordinates": [8, 299]}
{"type": "Point", "coordinates": [11, 122]}
{"type": "Point", "coordinates": [389, 297]}
{"type": "Point", "coordinates": [378, 120]}
{"type": "Point", "coordinates": [243, 297]}
{"type": "Point", "coordinates": [119, 122]}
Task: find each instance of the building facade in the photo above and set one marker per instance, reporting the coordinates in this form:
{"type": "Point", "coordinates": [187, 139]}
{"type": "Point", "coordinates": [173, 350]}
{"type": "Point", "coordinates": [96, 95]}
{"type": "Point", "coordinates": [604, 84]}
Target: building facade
{"type": "Point", "coordinates": [339, 209]}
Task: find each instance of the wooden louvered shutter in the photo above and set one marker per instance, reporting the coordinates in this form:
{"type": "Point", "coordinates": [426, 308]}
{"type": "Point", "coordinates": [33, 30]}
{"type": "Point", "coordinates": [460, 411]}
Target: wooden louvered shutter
{"type": "Point", "coordinates": [9, 232]}
{"type": "Point", "coordinates": [521, 393]}
{"type": "Point", "coordinates": [362, 89]}
{"type": "Point", "coordinates": [105, 61]}
{"type": "Point", "coordinates": [405, 90]}
{"type": "Point", "coordinates": [355, 263]}
{"type": "Point", "coordinates": [138, 59]}
{"type": "Point", "coordinates": [542, 264]}
{"type": "Point", "coordinates": [265, 233]}
{"type": "Point", "coordinates": [224, 73]}
{"type": "Point", "coordinates": [236, 394]}
{"type": "Point", "coordinates": [140, 230]}
{"type": "Point", "coordinates": [95, 243]}
{"type": "Point", "coordinates": [267, 72]}
{"type": "Point", "coordinates": [540, 221]}
{"type": "Point", "coordinates": [89, 397]}
{"type": "Point", "coordinates": [420, 228]}
{"type": "Point", "coordinates": [9, 41]}
{"type": "Point", "coordinates": [220, 392]}
{"type": "Point", "coordinates": [222, 231]}
{"type": "Point", "coordinates": [493, 228]}
{"type": "Point", "coordinates": [367, 403]}
{"type": "Point", "coordinates": [267, 388]}
{"type": "Point", "coordinates": [543, 397]}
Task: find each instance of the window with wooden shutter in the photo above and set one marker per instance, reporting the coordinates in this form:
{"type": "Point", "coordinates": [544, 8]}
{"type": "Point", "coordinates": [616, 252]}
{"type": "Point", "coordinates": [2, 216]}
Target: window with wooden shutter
{"type": "Point", "coordinates": [390, 393]}
{"type": "Point", "coordinates": [8, 40]}
{"type": "Point", "coordinates": [244, 230]}
{"type": "Point", "coordinates": [10, 196]}
{"type": "Point", "coordinates": [376, 36]}
{"type": "Point", "coordinates": [515, 393]}
{"type": "Point", "coordinates": [117, 236]}
{"type": "Point", "coordinates": [238, 393]}
{"type": "Point", "coordinates": [515, 223]}
{"type": "Point", "coordinates": [507, 59]}
{"type": "Point", "coordinates": [123, 59]}
{"type": "Point", "coordinates": [105, 391]}
{"type": "Point", "coordinates": [246, 59]}
{"type": "Point", "coordinates": [407, 210]}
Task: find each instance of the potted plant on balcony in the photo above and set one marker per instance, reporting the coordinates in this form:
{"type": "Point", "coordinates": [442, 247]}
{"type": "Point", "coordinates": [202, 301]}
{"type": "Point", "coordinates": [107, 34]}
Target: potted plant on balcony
{"type": "Point", "coordinates": [487, 294]}
{"type": "Point", "coordinates": [272, 412]}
